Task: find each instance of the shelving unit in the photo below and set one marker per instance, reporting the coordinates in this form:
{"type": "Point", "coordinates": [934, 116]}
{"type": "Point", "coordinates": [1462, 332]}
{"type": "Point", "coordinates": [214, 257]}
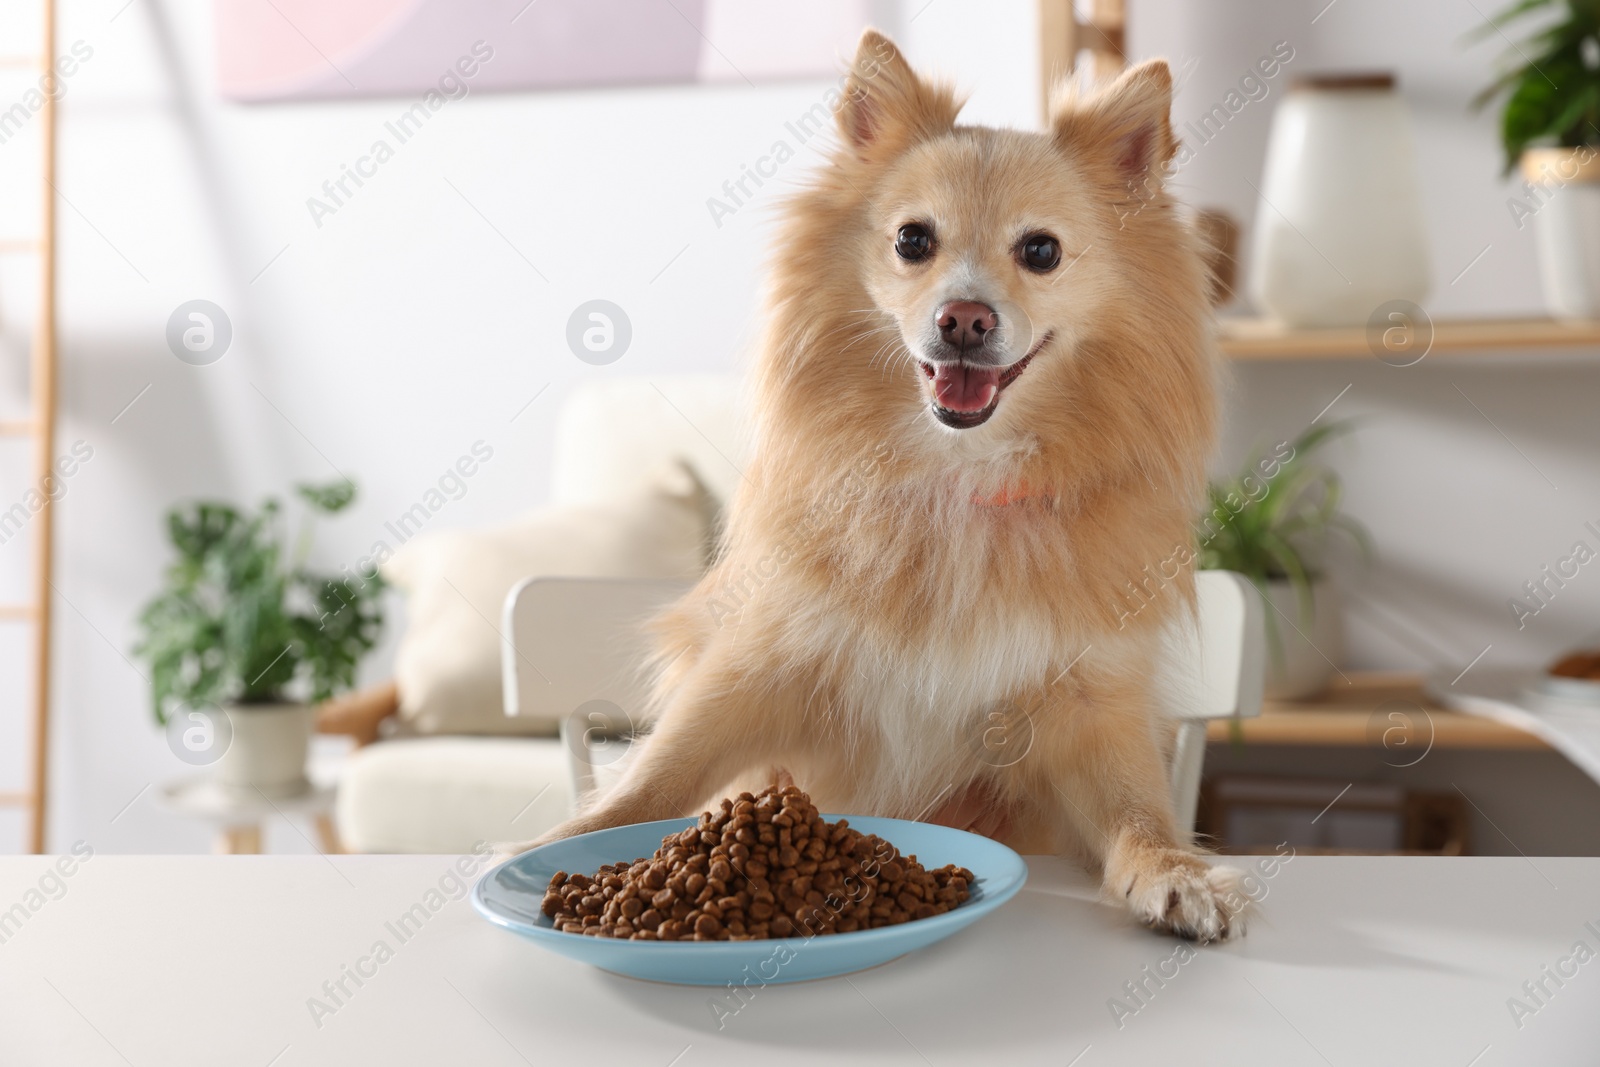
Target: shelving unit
{"type": "Point", "coordinates": [1261, 339]}
{"type": "Point", "coordinates": [1344, 718]}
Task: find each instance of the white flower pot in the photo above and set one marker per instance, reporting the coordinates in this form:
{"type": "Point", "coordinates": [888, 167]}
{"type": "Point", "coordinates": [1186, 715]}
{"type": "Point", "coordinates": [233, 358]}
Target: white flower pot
{"type": "Point", "coordinates": [1311, 651]}
{"type": "Point", "coordinates": [1339, 228]}
{"type": "Point", "coordinates": [268, 748]}
{"type": "Point", "coordinates": [1565, 217]}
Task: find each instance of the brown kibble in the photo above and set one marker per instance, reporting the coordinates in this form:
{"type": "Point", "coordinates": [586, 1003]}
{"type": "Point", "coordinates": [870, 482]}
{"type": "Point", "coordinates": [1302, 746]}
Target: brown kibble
{"type": "Point", "coordinates": [760, 866]}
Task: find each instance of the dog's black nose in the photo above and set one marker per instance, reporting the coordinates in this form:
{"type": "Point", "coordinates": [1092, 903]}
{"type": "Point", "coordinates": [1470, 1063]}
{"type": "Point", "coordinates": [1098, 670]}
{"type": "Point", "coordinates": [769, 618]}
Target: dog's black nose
{"type": "Point", "coordinates": [963, 323]}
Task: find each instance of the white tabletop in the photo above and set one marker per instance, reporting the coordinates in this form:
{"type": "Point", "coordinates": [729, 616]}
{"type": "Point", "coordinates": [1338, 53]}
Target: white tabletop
{"type": "Point", "coordinates": [168, 961]}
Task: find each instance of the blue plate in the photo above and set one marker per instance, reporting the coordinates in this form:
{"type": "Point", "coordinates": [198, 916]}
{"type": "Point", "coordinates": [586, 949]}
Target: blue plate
{"type": "Point", "coordinates": [512, 896]}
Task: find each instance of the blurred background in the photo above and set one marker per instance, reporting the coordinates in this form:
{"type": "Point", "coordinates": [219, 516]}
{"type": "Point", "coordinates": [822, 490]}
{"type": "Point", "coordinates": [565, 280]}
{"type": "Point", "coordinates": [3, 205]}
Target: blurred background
{"type": "Point", "coordinates": [384, 331]}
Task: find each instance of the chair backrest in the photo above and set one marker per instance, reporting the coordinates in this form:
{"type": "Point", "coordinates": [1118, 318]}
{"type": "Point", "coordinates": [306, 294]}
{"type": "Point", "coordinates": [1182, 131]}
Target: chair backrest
{"type": "Point", "coordinates": [1216, 665]}
{"type": "Point", "coordinates": [1215, 669]}
{"type": "Point", "coordinates": [572, 641]}
{"type": "Point", "coordinates": [577, 647]}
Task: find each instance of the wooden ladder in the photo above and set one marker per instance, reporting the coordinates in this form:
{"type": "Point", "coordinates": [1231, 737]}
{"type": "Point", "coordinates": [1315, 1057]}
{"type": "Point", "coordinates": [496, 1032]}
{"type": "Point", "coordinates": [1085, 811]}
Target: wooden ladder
{"type": "Point", "coordinates": [1102, 32]}
{"type": "Point", "coordinates": [1063, 34]}
{"type": "Point", "coordinates": [41, 427]}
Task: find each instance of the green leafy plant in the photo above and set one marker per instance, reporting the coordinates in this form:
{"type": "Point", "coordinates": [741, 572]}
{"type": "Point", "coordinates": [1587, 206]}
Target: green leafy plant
{"type": "Point", "coordinates": [241, 620]}
{"type": "Point", "coordinates": [1276, 520]}
{"type": "Point", "coordinates": [1551, 81]}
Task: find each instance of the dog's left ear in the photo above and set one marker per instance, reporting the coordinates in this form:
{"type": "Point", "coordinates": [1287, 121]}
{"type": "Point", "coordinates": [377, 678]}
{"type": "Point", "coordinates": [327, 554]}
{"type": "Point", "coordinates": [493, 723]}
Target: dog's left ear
{"type": "Point", "coordinates": [886, 108]}
{"type": "Point", "coordinates": [1128, 123]}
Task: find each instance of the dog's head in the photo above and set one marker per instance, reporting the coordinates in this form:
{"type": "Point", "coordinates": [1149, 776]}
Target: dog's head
{"type": "Point", "coordinates": [994, 252]}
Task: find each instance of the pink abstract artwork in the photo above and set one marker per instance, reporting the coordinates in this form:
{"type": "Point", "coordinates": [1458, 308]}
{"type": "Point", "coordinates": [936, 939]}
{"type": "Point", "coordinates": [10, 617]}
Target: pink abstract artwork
{"type": "Point", "coordinates": [270, 50]}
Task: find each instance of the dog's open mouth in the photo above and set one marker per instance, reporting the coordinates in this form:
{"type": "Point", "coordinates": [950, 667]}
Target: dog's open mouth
{"type": "Point", "coordinates": [966, 395]}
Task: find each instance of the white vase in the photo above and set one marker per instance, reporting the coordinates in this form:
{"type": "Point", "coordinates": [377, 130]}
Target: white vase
{"type": "Point", "coordinates": [1310, 649]}
{"type": "Point", "coordinates": [1339, 229]}
{"type": "Point", "coordinates": [268, 749]}
{"type": "Point", "coordinates": [1565, 207]}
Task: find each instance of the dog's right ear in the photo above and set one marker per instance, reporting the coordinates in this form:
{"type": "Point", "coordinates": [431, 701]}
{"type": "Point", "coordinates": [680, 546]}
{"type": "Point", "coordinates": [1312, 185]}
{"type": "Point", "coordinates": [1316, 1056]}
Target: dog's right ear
{"type": "Point", "coordinates": [886, 108]}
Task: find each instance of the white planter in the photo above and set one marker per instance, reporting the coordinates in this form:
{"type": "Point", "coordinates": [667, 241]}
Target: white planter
{"type": "Point", "coordinates": [1566, 225]}
{"type": "Point", "coordinates": [1339, 228]}
{"type": "Point", "coordinates": [1309, 652]}
{"type": "Point", "coordinates": [268, 748]}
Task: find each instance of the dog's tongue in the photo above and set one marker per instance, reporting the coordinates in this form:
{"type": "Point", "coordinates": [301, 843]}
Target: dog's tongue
{"type": "Point", "coordinates": [962, 388]}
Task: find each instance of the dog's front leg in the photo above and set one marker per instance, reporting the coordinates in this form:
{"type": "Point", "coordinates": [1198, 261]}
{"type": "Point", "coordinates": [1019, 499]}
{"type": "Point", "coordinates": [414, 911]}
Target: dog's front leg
{"type": "Point", "coordinates": [1111, 782]}
{"type": "Point", "coordinates": [714, 727]}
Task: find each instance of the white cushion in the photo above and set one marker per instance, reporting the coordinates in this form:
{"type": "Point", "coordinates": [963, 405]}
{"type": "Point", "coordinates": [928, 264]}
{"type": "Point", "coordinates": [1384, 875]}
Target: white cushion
{"type": "Point", "coordinates": [447, 666]}
{"type": "Point", "coordinates": [446, 794]}
{"type": "Point", "coordinates": [611, 430]}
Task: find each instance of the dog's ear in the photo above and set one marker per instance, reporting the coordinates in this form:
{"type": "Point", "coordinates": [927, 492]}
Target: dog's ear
{"type": "Point", "coordinates": [1128, 123]}
{"type": "Point", "coordinates": [886, 108]}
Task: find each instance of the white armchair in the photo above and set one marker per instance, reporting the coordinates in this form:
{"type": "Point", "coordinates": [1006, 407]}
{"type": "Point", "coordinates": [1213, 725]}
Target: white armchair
{"type": "Point", "coordinates": [444, 793]}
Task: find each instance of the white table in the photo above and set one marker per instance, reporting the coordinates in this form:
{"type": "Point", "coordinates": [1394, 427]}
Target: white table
{"type": "Point", "coordinates": [168, 961]}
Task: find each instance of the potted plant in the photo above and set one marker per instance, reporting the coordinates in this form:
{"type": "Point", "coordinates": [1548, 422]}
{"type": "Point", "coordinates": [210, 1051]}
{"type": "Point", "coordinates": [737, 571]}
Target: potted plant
{"type": "Point", "coordinates": [1274, 523]}
{"type": "Point", "coordinates": [243, 626]}
{"type": "Point", "coordinates": [1550, 127]}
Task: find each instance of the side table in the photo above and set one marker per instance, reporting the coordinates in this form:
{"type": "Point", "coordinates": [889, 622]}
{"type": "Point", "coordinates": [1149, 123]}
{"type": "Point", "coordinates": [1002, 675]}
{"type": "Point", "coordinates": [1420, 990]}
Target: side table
{"type": "Point", "coordinates": [239, 813]}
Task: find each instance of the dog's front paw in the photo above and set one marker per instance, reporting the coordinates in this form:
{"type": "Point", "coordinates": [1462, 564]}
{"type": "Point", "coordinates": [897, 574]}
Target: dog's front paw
{"type": "Point", "coordinates": [1175, 892]}
{"type": "Point", "coordinates": [504, 850]}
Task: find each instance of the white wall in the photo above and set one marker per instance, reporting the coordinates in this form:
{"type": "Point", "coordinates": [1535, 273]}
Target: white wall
{"type": "Point", "coordinates": [387, 341]}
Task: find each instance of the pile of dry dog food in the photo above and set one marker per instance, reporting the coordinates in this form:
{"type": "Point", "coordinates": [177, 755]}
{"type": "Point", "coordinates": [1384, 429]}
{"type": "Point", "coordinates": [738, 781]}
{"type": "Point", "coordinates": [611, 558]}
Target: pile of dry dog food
{"type": "Point", "coordinates": [763, 866]}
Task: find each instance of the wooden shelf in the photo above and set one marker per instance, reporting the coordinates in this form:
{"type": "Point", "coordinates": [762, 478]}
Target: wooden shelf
{"type": "Point", "coordinates": [1355, 716]}
{"type": "Point", "coordinates": [1262, 339]}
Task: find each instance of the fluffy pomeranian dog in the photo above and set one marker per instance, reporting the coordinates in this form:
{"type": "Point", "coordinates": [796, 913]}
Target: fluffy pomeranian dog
{"type": "Point", "coordinates": [984, 403]}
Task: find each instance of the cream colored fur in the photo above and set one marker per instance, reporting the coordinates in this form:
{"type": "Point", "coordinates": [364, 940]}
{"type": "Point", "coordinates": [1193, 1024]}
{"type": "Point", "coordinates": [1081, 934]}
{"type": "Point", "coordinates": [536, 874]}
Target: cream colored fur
{"type": "Point", "coordinates": [887, 582]}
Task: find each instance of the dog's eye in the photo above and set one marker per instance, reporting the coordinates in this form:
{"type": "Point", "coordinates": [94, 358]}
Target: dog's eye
{"type": "Point", "coordinates": [1041, 252]}
{"type": "Point", "coordinates": [913, 242]}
